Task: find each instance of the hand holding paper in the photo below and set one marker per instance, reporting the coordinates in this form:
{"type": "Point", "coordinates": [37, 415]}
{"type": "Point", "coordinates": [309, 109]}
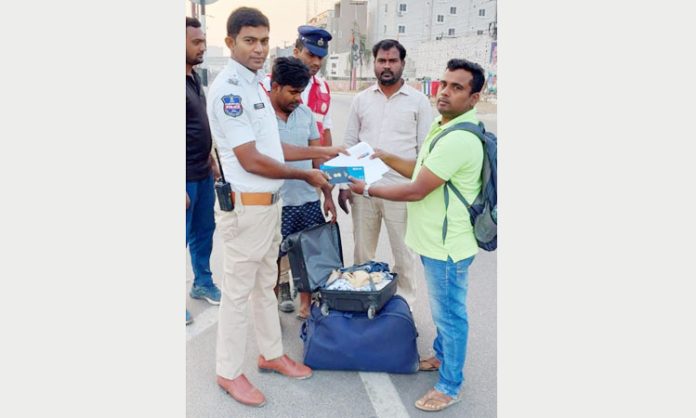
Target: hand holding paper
{"type": "Point", "coordinates": [359, 157]}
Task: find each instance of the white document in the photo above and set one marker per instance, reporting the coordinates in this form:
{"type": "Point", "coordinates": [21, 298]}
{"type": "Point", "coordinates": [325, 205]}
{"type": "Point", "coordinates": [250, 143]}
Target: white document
{"type": "Point", "coordinates": [360, 157]}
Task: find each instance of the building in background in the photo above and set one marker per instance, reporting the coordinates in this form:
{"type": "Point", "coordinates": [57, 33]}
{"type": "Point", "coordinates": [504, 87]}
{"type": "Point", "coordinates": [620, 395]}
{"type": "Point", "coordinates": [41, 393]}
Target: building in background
{"type": "Point", "coordinates": [348, 22]}
{"type": "Point", "coordinates": [349, 51]}
{"type": "Point", "coordinates": [322, 19]}
{"type": "Point", "coordinates": [433, 31]}
{"type": "Point", "coordinates": [316, 7]}
{"type": "Point", "coordinates": [413, 22]}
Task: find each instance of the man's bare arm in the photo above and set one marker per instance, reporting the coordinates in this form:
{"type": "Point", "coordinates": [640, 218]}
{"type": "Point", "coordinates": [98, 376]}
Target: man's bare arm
{"type": "Point", "coordinates": [255, 162]}
{"type": "Point", "coordinates": [298, 153]}
{"type": "Point", "coordinates": [398, 164]}
{"type": "Point", "coordinates": [424, 184]}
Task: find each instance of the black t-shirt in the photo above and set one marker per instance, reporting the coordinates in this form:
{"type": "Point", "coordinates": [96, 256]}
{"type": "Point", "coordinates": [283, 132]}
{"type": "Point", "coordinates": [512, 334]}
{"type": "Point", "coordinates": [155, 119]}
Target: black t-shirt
{"type": "Point", "coordinates": [199, 141]}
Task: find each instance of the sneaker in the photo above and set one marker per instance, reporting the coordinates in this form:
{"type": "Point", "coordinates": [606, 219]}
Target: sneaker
{"type": "Point", "coordinates": [210, 293]}
{"type": "Point", "coordinates": [189, 318]}
{"type": "Point", "coordinates": [285, 304]}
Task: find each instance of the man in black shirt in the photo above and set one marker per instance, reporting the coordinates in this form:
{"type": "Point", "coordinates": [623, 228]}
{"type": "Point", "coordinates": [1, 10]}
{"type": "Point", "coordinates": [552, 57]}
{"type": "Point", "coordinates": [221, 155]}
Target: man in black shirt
{"type": "Point", "coordinates": [200, 172]}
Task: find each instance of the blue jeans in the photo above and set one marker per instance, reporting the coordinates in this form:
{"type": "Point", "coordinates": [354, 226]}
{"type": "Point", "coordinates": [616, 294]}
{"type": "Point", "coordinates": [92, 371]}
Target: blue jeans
{"type": "Point", "coordinates": [200, 225]}
{"type": "Point", "coordinates": [447, 285]}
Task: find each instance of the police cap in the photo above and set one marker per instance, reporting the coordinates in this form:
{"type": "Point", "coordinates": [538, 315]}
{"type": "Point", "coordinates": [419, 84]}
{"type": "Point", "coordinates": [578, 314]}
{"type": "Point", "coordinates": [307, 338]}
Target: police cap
{"type": "Point", "coordinates": [315, 39]}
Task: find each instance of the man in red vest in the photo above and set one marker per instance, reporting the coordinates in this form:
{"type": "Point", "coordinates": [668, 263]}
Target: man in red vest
{"type": "Point", "coordinates": [311, 48]}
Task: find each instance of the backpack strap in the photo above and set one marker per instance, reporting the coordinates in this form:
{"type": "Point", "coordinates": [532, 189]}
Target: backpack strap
{"type": "Point", "coordinates": [459, 195]}
{"type": "Point", "coordinates": [477, 130]}
{"type": "Point", "coordinates": [447, 186]}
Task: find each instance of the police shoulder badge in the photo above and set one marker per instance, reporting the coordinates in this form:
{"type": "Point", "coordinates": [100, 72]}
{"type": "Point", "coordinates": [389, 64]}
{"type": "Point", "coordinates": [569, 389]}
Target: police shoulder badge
{"type": "Point", "coordinates": [232, 105]}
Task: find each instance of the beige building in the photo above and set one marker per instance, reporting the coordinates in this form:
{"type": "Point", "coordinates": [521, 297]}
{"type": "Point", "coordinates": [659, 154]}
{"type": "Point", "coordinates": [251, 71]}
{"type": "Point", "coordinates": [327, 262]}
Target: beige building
{"type": "Point", "coordinates": [347, 24]}
{"type": "Point", "coordinates": [433, 31]}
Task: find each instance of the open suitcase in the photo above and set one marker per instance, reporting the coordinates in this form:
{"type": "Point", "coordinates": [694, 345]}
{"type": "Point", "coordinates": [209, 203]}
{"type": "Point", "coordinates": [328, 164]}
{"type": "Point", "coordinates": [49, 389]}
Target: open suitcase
{"type": "Point", "coordinates": [313, 254]}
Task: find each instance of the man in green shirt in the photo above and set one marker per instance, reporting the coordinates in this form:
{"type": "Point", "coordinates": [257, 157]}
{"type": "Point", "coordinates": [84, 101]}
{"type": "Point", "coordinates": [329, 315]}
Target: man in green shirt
{"type": "Point", "coordinates": [458, 157]}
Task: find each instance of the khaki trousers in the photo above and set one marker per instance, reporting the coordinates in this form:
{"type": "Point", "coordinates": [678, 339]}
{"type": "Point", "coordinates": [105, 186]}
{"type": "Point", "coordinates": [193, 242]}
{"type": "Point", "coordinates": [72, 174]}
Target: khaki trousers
{"type": "Point", "coordinates": [251, 235]}
{"type": "Point", "coordinates": [367, 223]}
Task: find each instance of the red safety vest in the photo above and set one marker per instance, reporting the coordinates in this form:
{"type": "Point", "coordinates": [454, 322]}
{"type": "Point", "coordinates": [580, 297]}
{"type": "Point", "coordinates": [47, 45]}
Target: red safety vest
{"type": "Point", "coordinates": [319, 102]}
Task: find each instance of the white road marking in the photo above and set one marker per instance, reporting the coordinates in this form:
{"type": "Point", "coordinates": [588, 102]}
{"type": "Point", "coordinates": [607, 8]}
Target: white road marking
{"type": "Point", "coordinates": [383, 395]}
{"type": "Point", "coordinates": [202, 322]}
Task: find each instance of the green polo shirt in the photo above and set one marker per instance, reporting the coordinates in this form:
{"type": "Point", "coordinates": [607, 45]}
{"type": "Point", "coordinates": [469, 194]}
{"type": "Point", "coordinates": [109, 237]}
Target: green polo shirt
{"type": "Point", "coordinates": [458, 157]}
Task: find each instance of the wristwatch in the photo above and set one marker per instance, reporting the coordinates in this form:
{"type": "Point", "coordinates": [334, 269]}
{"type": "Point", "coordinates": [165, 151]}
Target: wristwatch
{"type": "Point", "coordinates": [365, 191]}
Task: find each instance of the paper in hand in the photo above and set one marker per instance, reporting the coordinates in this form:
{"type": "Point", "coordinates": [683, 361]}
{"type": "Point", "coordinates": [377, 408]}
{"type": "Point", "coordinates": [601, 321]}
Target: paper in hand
{"type": "Point", "coordinates": [360, 157]}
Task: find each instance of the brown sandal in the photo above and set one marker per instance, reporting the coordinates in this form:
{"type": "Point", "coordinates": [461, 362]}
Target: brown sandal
{"type": "Point", "coordinates": [429, 365]}
{"type": "Point", "coordinates": [434, 401]}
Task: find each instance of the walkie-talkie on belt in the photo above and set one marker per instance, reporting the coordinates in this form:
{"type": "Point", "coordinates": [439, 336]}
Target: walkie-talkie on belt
{"type": "Point", "coordinates": [223, 189]}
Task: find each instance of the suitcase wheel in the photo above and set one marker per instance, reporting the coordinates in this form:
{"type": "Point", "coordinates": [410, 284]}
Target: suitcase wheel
{"type": "Point", "coordinates": [325, 309]}
{"type": "Point", "coordinates": [371, 312]}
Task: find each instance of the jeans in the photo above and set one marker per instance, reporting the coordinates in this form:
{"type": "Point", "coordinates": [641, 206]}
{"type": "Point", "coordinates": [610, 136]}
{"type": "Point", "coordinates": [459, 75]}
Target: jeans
{"type": "Point", "coordinates": [200, 225]}
{"type": "Point", "coordinates": [447, 286]}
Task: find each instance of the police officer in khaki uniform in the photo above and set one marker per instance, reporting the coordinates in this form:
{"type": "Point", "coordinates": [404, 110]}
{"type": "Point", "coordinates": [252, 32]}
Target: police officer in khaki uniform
{"type": "Point", "coordinates": [244, 126]}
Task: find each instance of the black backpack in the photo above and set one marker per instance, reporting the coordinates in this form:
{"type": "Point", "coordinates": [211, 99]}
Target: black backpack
{"type": "Point", "coordinates": [484, 210]}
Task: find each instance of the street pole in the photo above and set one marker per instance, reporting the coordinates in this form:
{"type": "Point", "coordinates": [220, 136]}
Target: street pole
{"type": "Point", "coordinates": [352, 61]}
{"type": "Point", "coordinates": [202, 6]}
{"type": "Point", "coordinates": [201, 16]}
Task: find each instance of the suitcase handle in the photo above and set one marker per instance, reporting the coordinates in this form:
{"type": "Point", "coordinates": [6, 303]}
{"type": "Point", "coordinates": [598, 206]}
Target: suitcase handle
{"type": "Point", "coordinates": [285, 246]}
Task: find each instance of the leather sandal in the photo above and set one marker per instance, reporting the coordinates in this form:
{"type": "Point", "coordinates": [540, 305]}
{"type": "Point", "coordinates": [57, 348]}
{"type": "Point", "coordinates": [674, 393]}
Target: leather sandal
{"type": "Point", "coordinates": [434, 401]}
{"type": "Point", "coordinates": [431, 364]}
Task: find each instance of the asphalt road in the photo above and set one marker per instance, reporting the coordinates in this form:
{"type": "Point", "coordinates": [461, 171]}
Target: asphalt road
{"type": "Point", "coordinates": [348, 394]}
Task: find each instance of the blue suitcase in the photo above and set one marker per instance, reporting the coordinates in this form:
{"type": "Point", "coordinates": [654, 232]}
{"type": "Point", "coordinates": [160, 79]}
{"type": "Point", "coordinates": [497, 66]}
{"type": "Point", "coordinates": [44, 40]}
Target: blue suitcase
{"type": "Point", "coordinates": [352, 341]}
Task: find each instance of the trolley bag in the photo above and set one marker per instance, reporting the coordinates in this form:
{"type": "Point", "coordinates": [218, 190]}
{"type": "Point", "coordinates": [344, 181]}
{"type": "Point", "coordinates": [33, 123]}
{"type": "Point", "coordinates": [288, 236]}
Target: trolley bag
{"type": "Point", "coordinates": [351, 341]}
{"type": "Point", "coordinates": [313, 254]}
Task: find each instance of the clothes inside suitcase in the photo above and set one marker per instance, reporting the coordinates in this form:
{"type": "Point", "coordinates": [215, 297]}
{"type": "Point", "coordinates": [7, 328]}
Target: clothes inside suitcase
{"type": "Point", "coordinates": [314, 254]}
